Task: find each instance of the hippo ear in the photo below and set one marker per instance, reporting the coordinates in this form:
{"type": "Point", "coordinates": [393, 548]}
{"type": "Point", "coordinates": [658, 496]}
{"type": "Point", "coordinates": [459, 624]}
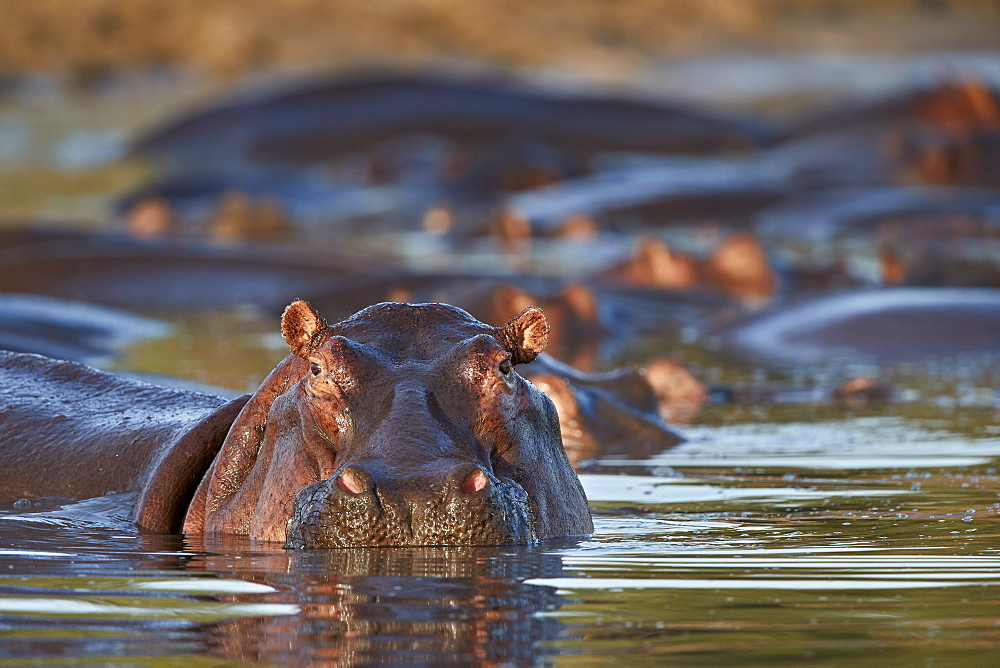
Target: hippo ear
{"type": "Point", "coordinates": [525, 335]}
{"type": "Point", "coordinates": [300, 324]}
{"type": "Point", "coordinates": [582, 301]}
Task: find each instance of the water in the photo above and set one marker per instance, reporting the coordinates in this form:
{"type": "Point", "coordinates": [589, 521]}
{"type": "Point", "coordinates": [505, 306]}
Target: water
{"type": "Point", "coordinates": [870, 539]}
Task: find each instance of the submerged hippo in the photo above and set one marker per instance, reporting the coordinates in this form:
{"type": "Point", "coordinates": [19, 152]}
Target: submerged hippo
{"type": "Point", "coordinates": [316, 119]}
{"type": "Point", "coordinates": [401, 425]}
{"type": "Point", "coordinates": [882, 326]}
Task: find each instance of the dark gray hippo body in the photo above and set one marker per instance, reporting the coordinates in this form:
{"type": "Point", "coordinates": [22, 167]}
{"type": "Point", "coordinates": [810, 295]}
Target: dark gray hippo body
{"type": "Point", "coordinates": [615, 412]}
{"type": "Point", "coordinates": [184, 276]}
{"type": "Point", "coordinates": [402, 425]}
{"type": "Point", "coordinates": [888, 325]}
{"type": "Point", "coordinates": [312, 121]}
{"type": "Point", "coordinates": [390, 145]}
{"type": "Point", "coordinates": [945, 134]}
{"type": "Point", "coordinates": [70, 431]}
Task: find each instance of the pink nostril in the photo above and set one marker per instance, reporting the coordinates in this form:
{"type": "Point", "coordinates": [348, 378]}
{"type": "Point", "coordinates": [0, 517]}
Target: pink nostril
{"type": "Point", "coordinates": [350, 482]}
{"type": "Point", "coordinates": [474, 482]}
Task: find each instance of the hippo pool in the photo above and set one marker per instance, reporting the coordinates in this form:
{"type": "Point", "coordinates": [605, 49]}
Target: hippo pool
{"type": "Point", "coordinates": [789, 525]}
{"type": "Point", "coordinates": [786, 531]}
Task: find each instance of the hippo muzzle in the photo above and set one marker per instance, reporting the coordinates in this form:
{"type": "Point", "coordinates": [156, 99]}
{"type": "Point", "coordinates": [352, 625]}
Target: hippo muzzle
{"type": "Point", "coordinates": [472, 507]}
{"type": "Point", "coordinates": [403, 425]}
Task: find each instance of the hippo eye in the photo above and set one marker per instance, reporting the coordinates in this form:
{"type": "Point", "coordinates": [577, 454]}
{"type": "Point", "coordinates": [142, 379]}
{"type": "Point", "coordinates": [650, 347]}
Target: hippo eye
{"type": "Point", "coordinates": [315, 369]}
{"type": "Point", "coordinates": [505, 367]}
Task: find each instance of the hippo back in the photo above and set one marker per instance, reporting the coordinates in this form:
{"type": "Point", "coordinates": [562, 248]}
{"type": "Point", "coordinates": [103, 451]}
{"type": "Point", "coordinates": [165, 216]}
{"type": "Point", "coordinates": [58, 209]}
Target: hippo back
{"type": "Point", "coordinates": [71, 431]}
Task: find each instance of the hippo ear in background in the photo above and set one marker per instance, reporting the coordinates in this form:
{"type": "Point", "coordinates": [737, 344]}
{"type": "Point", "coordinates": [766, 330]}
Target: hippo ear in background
{"type": "Point", "coordinates": [300, 324]}
{"type": "Point", "coordinates": [740, 267]}
{"type": "Point", "coordinates": [582, 301]}
{"type": "Point", "coordinates": [525, 335]}
{"type": "Point", "coordinates": [509, 299]}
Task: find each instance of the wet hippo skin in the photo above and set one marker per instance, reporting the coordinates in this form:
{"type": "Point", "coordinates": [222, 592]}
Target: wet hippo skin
{"type": "Point", "coordinates": [71, 431]}
{"type": "Point", "coordinates": [401, 425]}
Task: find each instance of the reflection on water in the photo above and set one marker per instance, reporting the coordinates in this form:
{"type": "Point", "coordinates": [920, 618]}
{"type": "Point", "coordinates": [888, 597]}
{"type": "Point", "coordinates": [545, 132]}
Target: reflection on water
{"type": "Point", "coordinates": [411, 605]}
{"type": "Point", "coordinates": [752, 543]}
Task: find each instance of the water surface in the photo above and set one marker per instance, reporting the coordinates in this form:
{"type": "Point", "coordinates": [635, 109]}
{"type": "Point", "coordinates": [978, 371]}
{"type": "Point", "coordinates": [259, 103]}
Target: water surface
{"type": "Point", "coordinates": [870, 539]}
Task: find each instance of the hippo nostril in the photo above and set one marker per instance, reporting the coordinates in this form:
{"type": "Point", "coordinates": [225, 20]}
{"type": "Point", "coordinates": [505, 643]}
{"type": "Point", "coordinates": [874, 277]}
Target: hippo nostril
{"type": "Point", "coordinates": [474, 482]}
{"type": "Point", "coordinates": [353, 481]}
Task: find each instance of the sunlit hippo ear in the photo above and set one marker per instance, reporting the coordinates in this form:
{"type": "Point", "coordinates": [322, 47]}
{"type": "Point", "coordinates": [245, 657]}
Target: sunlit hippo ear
{"type": "Point", "coordinates": [525, 335]}
{"type": "Point", "coordinates": [300, 326]}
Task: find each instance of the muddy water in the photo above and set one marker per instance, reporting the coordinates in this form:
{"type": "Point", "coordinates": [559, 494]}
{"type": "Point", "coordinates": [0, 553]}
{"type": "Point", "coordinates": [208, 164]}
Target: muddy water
{"type": "Point", "coordinates": [776, 534]}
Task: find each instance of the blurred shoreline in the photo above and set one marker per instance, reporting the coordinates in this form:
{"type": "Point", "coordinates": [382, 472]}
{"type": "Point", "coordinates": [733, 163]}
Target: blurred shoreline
{"type": "Point", "coordinates": [601, 40]}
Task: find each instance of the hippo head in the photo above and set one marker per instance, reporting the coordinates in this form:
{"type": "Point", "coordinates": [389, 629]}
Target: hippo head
{"type": "Point", "coordinates": [405, 424]}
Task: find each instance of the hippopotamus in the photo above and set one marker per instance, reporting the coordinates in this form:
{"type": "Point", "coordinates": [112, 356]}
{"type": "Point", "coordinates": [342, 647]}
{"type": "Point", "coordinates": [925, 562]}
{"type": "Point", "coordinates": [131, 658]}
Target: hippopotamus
{"type": "Point", "coordinates": [947, 134]}
{"type": "Point", "coordinates": [831, 214]}
{"type": "Point", "coordinates": [389, 145]}
{"type": "Point", "coordinates": [882, 326]}
{"type": "Point", "coordinates": [404, 424]}
{"type": "Point", "coordinates": [314, 120]}
{"type": "Point", "coordinates": [662, 193]}
{"type": "Point", "coordinates": [618, 412]}
{"type": "Point", "coordinates": [739, 267]}
{"type": "Point", "coordinates": [185, 276]}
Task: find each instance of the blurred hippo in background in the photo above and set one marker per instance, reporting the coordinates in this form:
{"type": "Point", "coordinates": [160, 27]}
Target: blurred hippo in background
{"type": "Point", "coordinates": [914, 235]}
{"type": "Point", "coordinates": [402, 116]}
{"type": "Point", "coordinates": [625, 411]}
{"type": "Point", "coordinates": [70, 330]}
{"type": "Point", "coordinates": [401, 425]}
{"type": "Point", "coordinates": [882, 326]}
{"type": "Point", "coordinates": [947, 133]}
{"type": "Point", "coordinates": [738, 267]}
{"type": "Point", "coordinates": [390, 146]}
{"type": "Point", "coordinates": [182, 275]}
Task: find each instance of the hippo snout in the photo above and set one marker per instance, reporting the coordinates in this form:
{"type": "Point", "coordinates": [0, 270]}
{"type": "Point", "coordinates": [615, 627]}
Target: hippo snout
{"type": "Point", "coordinates": [464, 506]}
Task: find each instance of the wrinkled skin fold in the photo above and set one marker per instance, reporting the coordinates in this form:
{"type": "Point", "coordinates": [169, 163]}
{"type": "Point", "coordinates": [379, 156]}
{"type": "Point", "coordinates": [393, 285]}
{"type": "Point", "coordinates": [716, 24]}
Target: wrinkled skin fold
{"type": "Point", "coordinates": [402, 425]}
